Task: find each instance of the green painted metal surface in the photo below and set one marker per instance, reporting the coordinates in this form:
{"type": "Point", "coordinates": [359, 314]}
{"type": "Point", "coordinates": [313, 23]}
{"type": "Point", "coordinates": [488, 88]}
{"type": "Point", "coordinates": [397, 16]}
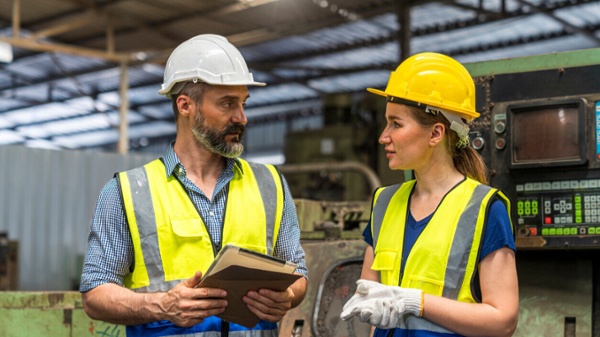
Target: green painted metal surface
{"type": "Point", "coordinates": [552, 292]}
{"type": "Point", "coordinates": [577, 58]}
{"type": "Point", "coordinates": [55, 314]}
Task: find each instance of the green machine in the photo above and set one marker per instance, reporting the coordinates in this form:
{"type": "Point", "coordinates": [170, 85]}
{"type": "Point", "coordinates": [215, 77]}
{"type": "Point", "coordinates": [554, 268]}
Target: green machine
{"type": "Point", "coordinates": [53, 314]}
{"type": "Point", "coordinates": [539, 133]}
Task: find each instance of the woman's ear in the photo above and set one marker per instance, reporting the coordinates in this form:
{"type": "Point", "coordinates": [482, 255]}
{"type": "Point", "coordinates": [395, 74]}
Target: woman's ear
{"type": "Point", "coordinates": [437, 133]}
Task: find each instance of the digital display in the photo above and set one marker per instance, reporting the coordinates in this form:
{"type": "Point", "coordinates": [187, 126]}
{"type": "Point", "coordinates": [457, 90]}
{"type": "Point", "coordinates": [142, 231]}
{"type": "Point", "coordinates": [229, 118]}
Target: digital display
{"type": "Point", "coordinates": [597, 109]}
{"type": "Point", "coordinates": [547, 135]}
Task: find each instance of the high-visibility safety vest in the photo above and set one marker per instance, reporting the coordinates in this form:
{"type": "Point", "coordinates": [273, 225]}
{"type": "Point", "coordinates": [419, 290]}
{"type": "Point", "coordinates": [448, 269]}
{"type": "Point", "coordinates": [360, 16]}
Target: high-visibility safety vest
{"type": "Point", "coordinates": [171, 241]}
{"type": "Point", "coordinates": [443, 260]}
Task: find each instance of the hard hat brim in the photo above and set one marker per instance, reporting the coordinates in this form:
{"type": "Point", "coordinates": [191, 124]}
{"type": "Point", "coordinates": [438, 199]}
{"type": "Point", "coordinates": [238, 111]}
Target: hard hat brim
{"type": "Point", "coordinates": [377, 92]}
{"type": "Point", "coordinates": [469, 115]}
{"type": "Point", "coordinates": [167, 91]}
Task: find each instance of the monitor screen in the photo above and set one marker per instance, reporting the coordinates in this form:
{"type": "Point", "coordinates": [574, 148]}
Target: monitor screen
{"type": "Point", "coordinates": [547, 135]}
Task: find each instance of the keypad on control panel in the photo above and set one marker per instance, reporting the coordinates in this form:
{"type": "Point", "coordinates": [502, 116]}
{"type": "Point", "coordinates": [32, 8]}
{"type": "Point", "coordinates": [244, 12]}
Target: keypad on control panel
{"type": "Point", "coordinates": [570, 207]}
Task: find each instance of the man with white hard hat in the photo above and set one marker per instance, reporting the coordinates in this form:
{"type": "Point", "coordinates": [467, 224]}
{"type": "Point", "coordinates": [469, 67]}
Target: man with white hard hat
{"type": "Point", "coordinates": [157, 228]}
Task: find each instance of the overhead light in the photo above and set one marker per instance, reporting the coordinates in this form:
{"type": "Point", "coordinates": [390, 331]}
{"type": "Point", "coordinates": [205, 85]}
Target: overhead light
{"type": "Point", "coordinates": [6, 54]}
{"type": "Point", "coordinates": [140, 56]}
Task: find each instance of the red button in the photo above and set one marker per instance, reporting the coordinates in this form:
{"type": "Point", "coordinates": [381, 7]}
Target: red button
{"type": "Point", "coordinates": [533, 231]}
{"type": "Point", "coordinates": [547, 220]}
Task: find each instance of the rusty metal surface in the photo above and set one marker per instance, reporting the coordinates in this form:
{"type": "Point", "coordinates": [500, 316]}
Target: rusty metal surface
{"type": "Point", "coordinates": [334, 266]}
{"type": "Point", "coordinates": [339, 286]}
{"type": "Point", "coordinates": [348, 218]}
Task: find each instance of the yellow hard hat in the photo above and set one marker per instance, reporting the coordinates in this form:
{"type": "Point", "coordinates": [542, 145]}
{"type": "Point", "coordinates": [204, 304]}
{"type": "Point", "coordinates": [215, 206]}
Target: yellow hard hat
{"type": "Point", "coordinates": [435, 80]}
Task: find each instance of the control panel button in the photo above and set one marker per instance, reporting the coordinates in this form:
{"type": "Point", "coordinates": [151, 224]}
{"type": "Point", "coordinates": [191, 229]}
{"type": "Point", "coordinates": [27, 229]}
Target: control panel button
{"type": "Point", "coordinates": [500, 127]}
{"type": "Point", "coordinates": [500, 143]}
{"type": "Point", "coordinates": [478, 143]}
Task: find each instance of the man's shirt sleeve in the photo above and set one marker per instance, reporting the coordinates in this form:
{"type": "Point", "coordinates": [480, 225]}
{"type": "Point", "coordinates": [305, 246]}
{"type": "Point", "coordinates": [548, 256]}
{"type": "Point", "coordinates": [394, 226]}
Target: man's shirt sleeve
{"type": "Point", "coordinates": [109, 255]}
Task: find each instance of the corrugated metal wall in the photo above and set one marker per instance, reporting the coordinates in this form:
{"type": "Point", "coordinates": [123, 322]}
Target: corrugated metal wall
{"type": "Point", "coordinates": [46, 201]}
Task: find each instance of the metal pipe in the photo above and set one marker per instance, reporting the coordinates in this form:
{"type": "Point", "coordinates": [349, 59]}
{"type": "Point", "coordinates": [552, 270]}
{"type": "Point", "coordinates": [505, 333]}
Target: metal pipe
{"type": "Point", "coordinates": [123, 144]}
{"type": "Point", "coordinates": [369, 174]}
{"type": "Point", "coordinates": [16, 19]}
{"type": "Point", "coordinates": [403, 34]}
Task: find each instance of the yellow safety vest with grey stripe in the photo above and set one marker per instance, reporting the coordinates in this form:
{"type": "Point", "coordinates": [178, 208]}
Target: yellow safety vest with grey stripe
{"type": "Point", "coordinates": [443, 260]}
{"type": "Point", "coordinates": [170, 239]}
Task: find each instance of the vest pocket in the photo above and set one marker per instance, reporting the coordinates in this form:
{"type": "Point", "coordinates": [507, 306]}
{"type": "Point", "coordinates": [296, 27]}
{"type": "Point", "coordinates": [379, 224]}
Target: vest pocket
{"type": "Point", "coordinates": [255, 248]}
{"type": "Point", "coordinates": [385, 260]}
{"type": "Point", "coordinates": [387, 263]}
{"type": "Point", "coordinates": [187, 228]}
{"type": "Point", "coordinates": [185, 248]}
{"type": "Point", "coordinates": [430, 286]}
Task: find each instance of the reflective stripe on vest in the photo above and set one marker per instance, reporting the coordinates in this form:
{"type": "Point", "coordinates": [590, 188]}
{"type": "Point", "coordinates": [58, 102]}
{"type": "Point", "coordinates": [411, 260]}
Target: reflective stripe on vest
{"type": "Point", "coordinates": [383, 198]}
{"type": "Point", "coordinates": [450, 264]}
{"type": "Point", "coordinates": [267, 189]}
{"type": "Point", "coordinates": [161, 214]}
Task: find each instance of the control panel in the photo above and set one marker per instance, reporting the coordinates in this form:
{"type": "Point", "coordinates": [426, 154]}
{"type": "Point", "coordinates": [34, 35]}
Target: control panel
{"type": "Point", "coordinates": [558, 209]}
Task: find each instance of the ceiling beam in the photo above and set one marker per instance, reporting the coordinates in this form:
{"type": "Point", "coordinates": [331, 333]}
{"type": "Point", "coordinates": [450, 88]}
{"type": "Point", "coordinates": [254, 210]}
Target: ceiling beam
{"type": "Point", "coordinates": [69, 25]}
{"type": "Point", "coordinates": [31, 44]}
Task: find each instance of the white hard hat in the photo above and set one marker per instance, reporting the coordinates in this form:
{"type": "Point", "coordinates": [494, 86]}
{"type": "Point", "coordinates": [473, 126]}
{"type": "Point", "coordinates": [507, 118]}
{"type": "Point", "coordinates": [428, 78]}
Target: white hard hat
{"type": "Point", "coordinates": [205, 58]}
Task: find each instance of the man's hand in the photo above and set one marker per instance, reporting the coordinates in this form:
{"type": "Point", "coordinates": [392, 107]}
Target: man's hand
{"type": "Point", "coordinates": [185, 305]}
{"type": "Point", "coordinates": [269, 305]}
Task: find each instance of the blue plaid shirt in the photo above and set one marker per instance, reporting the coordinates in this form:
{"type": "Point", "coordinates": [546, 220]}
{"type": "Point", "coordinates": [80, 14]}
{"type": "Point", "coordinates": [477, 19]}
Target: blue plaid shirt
{"type": "Point", "coordinates": [109, 256]}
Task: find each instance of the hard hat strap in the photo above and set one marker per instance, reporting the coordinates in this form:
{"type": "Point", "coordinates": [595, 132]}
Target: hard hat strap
{"type": "Point", "coordinates": [456, 124]}
{"type": "Point", "coordinates": [176, 89]}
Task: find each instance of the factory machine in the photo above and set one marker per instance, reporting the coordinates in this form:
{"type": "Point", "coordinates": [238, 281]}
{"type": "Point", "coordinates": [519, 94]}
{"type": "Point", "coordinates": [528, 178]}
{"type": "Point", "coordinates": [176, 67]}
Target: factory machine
{"type": "Point", "coordinates": [539, 133]}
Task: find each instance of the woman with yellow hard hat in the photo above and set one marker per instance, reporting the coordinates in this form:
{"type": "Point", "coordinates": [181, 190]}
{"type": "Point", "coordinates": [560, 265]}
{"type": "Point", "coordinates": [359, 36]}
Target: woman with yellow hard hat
{"type": "Point", "coordinates": [440, 259]}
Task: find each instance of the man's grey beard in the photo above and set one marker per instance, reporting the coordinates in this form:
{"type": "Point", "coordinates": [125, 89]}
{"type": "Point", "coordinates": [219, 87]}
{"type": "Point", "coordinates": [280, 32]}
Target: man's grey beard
{"type": "Point", "coordinates": [215, 141]}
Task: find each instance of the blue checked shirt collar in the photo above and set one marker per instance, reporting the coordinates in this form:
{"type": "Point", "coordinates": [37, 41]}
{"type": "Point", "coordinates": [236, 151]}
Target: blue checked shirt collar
{"type": "Point", "coordinates": [172, 163]}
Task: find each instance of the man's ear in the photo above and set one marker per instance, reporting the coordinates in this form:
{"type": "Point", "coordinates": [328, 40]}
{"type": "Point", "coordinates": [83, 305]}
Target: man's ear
{"type": "Point", "coordinates": [184, 105]}
{"type": "Point", "coordinates": [437, 133]}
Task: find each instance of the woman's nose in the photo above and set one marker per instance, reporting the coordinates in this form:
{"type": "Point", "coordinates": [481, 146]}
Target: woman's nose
{"type": "Point", "coordinates": [384, 138]}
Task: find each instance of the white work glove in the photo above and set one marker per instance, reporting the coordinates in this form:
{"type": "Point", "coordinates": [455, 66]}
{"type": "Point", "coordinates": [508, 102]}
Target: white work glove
{"type": "Point", "coordinates": [381, 305]}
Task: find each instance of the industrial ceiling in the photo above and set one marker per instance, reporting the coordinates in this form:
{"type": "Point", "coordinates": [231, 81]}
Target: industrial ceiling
{"type": "Point", "coordinates": [63, 63]}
